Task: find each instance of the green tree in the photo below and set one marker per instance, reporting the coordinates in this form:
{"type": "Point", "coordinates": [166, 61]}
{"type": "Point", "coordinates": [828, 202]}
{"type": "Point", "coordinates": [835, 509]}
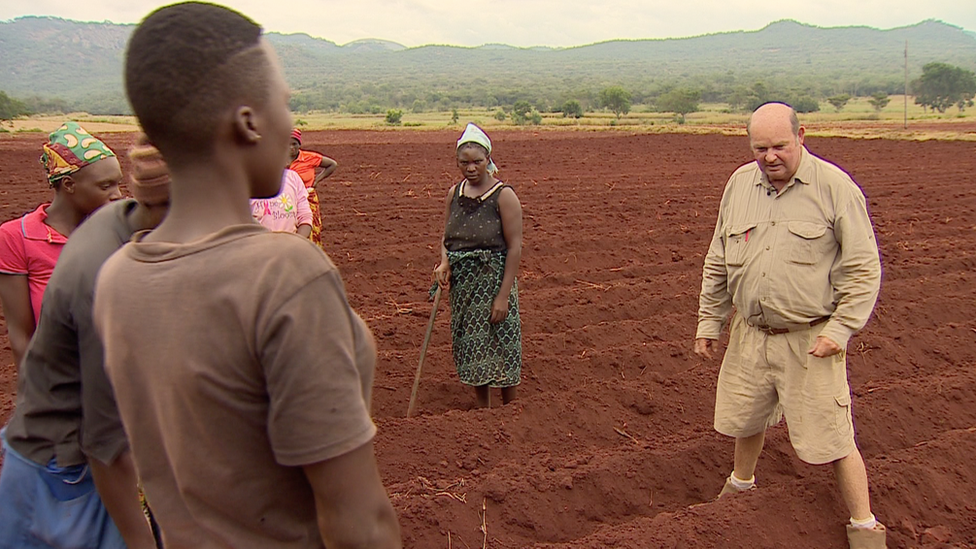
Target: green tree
{"type": "Point", "coordinates": [879, 100]}
{"type": "Point", "coordinates": [299, 103]}
{"type": "Point", "coordinates": [10, 108]}
{"type": "Point", "coordinates": [616, 99]}
{"type": "Point", "coordinates": [520, 111]}
{"type": "Point", "coordinates": [535, 117]}
{"type": "Point", "coordinates": [680, 101]}
{"type": "Point", "coordinates": [500, 115]}
{"type": "Point", "coordinates": [838, 101]}
{"type": "Point", "coordinates": [749, 98]}
{"type": "Point", "coordinates": [805, 104]}
{"type": "Point", "coordinates": [942, 86]}
{"type": "Point", "coordinates": [46, 105]}
{"type": "Point", "coordinates": [573, 109]}
{"type": "Point", "coordinates": [454, 116]}
{"type": "Point", "coordinates": [394, 117]}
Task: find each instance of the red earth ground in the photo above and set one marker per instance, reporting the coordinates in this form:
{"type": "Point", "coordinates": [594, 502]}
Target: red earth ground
{"type": "Point", "coordinates": [610, 442]}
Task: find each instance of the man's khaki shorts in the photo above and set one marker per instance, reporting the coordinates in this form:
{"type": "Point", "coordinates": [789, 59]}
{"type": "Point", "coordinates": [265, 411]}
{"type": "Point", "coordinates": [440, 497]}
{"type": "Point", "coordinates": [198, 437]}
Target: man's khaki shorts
{"type": "Point", "coordinates": [765, 377]}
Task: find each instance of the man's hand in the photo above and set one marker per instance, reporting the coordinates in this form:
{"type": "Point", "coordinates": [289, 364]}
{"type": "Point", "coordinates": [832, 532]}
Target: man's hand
{"type": "Point", "coordinates": [704, 347]}
{"type": "Point", "coordinates": [118, 486]}
{"type": "Point", "coordinates": [824, 347]}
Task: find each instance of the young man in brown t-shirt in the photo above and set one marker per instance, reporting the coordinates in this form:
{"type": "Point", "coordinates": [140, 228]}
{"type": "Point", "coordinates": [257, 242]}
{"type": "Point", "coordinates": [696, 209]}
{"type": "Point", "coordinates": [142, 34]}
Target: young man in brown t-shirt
{"type": "Point", "coordinates": [241, 373]}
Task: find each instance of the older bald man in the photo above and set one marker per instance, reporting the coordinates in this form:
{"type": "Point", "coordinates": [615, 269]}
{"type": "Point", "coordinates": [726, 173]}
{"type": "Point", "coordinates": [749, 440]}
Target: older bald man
{"type": "Point", "coordinates": [794, 253]}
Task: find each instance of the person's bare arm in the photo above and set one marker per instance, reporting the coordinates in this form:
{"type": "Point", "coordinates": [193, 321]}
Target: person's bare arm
{"type": "Point", "coordinates": [303, 212]}
{"type": "Point", "coordinates": [117, 485]}
{"type": "Point", "coordinates": [327, 167]}
{"type": "Point", "coordinates": [511, 213]}
{"type": "Point", "coordinates": [353, 508]}
{"type": "Point", "coordinates": [442, 272]}
{"type": "Point", "coordinates": [17, 311]}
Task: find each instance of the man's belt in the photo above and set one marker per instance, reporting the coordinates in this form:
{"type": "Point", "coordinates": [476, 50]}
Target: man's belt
{"type": "Point", "coordinates": [777, 331]}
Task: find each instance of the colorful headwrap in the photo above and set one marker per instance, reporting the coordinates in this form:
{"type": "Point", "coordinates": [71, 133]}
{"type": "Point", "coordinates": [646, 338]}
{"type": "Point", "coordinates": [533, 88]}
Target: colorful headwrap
{"type": "Point", "coordinates": [69, 149]}
{"type": "Point", "coordinates": [150, 175]}
{"type": "Point", "coordinates": [474, 134]}
{"type": "Point", "coordinates": [296, 134]}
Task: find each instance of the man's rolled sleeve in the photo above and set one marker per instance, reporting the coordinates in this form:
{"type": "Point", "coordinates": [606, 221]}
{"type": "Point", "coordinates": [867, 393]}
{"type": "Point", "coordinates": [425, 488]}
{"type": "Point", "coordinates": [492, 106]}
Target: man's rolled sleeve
{"type": "Point", "coordinates": [856, 275]}
{"type": "Point", "coordinates": [714, 301]}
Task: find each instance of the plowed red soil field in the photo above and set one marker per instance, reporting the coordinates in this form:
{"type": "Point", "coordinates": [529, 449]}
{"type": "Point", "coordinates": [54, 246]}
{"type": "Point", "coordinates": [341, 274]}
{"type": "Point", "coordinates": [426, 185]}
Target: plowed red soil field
{"type": "Point", "coordinates": [610, 442]}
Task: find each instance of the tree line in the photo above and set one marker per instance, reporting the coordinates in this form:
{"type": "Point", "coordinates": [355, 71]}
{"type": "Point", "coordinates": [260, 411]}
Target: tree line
{"type": "Point", "coordinates": [940, 87]}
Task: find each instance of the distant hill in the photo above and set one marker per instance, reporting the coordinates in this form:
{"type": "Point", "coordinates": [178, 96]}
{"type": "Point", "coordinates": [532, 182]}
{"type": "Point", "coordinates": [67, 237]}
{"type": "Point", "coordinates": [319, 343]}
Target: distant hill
{"type": "Point", "coordinates": [372, 45]}
{"type": "Point", "coordinates": [82, 64]}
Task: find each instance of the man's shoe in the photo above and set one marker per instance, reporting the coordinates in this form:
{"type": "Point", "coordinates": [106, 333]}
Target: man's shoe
{"type": "Point", "coordinates": [859, 538]}
{"type": "Point", "coordinates": [730, 488]}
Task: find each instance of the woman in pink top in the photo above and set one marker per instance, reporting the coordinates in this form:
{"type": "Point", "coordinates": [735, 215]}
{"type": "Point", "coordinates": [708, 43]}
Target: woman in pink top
{"type": "Point", "coordinates": [288, 212]}
{"type": "Point", "coordinates": [85, 175]}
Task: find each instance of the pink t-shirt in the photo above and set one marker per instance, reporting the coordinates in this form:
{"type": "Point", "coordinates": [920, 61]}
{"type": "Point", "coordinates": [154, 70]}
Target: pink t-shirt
{"type": "Point", "coordinates": [30, 247]}
{"type": "Point", "coordinates": [285, 212]}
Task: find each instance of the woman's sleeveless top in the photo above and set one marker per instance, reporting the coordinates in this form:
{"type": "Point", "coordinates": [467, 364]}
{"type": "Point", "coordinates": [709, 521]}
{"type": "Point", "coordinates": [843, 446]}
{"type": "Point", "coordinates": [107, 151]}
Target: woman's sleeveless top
{"type": "Point", "coordinates": [475, 223]}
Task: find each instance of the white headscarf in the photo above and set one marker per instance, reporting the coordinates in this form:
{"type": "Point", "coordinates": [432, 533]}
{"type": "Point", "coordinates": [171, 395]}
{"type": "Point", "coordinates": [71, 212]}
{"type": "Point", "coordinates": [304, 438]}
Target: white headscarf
{"type": "Point", "coordinates": [474, 134]}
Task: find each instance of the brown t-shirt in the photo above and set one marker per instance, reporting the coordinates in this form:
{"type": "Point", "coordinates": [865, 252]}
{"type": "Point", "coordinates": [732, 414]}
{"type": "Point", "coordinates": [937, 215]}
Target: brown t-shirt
{"type": "Point", "coordinates": [235, 360]}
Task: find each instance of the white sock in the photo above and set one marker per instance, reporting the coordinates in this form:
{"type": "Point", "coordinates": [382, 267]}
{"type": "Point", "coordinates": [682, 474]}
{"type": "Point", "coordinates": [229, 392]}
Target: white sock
{"type": "Point", "coordinates": [865, 524]}
{"type": "Point", "coordinates": [742, 485]}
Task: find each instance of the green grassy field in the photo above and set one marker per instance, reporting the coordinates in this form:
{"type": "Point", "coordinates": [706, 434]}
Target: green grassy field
{"type": "Point", "coordinates": [857, 119]}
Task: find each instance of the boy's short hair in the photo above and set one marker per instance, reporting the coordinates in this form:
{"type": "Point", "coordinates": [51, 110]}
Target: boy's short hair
{"type": "Point", "coordinates": [185, 66]}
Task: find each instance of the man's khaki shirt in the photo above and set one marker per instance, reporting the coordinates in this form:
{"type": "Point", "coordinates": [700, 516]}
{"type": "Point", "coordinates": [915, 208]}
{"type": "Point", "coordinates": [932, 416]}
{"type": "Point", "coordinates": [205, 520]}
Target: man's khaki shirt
{"type": "Point", "coordinates": [786, 259]}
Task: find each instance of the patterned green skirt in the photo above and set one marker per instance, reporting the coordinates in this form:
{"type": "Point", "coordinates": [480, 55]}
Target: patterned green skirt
{"type": "Point", "coordinates": [484, 353]}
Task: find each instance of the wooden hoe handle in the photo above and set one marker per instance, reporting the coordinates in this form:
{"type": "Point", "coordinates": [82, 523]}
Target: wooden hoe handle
{"type": "Point", "coordinates": [423, 352]}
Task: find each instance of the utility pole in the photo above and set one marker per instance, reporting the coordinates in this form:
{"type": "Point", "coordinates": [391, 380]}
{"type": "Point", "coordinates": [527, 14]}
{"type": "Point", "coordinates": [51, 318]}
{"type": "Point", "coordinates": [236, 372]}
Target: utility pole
{"type": "Point", "coordinates": [906, 84]}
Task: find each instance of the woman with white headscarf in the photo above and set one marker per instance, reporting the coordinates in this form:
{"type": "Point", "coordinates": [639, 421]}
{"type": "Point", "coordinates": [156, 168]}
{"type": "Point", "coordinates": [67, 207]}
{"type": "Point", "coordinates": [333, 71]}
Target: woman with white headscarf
{"type": "Point", "coordinates": [480, 256]}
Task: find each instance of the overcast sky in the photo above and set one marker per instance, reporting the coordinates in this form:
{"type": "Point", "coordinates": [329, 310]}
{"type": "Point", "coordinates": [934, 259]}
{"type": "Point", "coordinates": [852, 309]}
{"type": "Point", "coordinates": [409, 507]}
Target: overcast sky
{"type": "Point", "coordinates": [525, 22]}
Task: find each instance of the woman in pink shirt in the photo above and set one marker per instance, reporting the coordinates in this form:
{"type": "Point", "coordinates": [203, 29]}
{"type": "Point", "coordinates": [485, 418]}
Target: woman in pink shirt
{"type": "Point", "coordinates": [85, 175]}
{"type": "Point", "coordinates": [288, 212]}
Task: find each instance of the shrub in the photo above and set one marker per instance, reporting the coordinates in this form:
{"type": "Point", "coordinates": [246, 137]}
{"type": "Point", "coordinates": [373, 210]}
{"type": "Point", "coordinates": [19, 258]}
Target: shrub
{"type": "Point", "coordinates": [520, 112]}
{"type": "Point", "coordinates": [394, 116]}
{"type": "Point", "coordinates": [805, 104]}
{"type": "Point", "coordinates": [572, 109]}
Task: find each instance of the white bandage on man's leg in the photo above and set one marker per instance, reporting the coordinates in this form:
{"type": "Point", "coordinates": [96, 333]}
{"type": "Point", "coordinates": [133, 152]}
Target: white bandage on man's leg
{"type": "Point", "coordinates": [743, 485]}
{"type": "Point", "coordinates": [864, 524]}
